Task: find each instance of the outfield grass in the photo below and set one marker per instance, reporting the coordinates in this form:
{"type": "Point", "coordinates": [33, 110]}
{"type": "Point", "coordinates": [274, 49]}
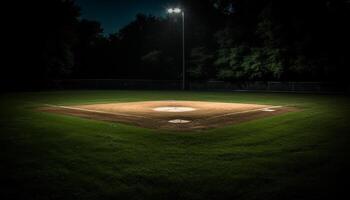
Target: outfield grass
{"type": "Point", "coordinates": [298, 155]}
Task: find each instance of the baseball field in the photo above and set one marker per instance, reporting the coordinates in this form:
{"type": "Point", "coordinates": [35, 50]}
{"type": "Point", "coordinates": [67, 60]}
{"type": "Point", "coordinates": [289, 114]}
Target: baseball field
{"type": "Point", "coordinates": [173, 145]}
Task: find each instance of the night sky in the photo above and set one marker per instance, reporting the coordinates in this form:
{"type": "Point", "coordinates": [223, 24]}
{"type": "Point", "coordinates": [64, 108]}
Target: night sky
{"type": "Point", "coordinates": [114, 14]}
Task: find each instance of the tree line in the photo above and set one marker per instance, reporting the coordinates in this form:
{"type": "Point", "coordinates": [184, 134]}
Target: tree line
{"type": "Point", "coordinates": [231, 40]}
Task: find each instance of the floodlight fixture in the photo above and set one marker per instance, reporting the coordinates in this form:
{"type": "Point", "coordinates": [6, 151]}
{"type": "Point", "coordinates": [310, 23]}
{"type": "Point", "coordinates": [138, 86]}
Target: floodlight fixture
{"type": "Point", "coordinates": [177, 10]}
{"type": "Point", "coordinates": [170, 10]}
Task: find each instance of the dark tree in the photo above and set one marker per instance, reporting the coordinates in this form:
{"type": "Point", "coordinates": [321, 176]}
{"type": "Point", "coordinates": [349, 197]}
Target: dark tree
{"type": "Point", "coordinates": [233, 40]}
{"type": "Point", "coordinates": [284, 40]}
{"type": "Point", "coordinates": [43, 39]}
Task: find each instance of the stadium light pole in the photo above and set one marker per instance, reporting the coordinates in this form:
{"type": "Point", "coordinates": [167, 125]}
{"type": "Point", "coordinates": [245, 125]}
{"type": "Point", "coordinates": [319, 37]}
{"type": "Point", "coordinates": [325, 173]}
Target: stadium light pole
{"type": "Point", "coordinates": [179, 11]}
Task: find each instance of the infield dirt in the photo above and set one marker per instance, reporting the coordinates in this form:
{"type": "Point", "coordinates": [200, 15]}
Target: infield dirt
{"type": "Point", "coordinates": [204, 115]}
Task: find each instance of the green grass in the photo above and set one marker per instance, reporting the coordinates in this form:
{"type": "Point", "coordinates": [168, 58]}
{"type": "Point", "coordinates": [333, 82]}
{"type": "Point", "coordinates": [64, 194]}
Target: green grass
{"type": "Point", "coordinates": [298, 155]}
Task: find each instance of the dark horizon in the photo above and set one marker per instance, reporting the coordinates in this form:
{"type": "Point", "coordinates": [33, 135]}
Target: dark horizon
{"type": "Point", "coordinates": [260, 41]}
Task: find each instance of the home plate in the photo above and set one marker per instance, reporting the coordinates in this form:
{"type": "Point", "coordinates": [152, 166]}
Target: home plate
{"type": "Point", "coordinates": [179, 121]}
{"type": "Point", "coordinates": [174, 109]}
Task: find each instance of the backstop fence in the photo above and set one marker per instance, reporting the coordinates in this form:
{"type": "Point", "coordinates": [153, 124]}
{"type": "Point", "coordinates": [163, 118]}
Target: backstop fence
{"type": "Point", "coordinates": [314, 87]}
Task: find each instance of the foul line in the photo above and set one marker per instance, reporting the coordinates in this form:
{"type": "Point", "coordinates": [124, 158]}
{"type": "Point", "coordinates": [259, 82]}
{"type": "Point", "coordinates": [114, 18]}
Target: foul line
{"type": "Point", "coordinates": [96, 111]}
{"type": "Point", "coordinates": [246, 111]}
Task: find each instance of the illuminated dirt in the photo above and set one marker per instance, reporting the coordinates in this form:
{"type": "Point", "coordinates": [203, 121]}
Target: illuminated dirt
{"type": "Point", "coordinates": [172, 115]}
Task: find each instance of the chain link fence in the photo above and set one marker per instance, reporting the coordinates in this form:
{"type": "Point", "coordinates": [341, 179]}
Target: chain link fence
{"type": "Point", "coordinates": [313, 87]}
{"type": "Point", "coordinates": [126, 84]}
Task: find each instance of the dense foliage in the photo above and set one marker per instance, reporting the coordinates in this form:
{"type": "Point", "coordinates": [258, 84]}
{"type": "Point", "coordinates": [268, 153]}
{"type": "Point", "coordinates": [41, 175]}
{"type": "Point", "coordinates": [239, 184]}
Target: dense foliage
{"type": "Point", "coordinates": [225, 40]}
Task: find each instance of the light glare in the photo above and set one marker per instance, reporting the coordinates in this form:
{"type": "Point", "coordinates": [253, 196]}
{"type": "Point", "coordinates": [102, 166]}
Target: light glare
{"type": "Point", "coordinates": [170, 10]}
{"type": "Point", "coordinates": [174, 10]}
{"type": "Point", "coordinates": [177, 10]}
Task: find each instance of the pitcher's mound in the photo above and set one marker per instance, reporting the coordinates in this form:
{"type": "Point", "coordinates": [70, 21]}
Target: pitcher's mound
{"type": "Point", "coordinates": [172, 115]}
{"type": "Point", "coordinates": [174, 109]}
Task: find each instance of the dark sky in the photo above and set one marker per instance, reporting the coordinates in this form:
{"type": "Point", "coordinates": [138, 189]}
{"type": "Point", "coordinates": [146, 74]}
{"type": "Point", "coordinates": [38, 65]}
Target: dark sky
{"type": "Point", "coordinates": [114, 14]}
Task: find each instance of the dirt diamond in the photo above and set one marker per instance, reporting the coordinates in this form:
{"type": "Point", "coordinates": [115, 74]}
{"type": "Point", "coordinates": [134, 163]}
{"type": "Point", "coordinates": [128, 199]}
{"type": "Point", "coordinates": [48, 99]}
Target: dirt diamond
{"type": "Point", "coordinates": [158, 114]}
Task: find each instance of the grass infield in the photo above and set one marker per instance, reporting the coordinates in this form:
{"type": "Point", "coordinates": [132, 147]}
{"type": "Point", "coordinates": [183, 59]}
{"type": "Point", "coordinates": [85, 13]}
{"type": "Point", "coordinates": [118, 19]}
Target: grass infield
{"type": "Point", "coordinates": [295, 155]}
